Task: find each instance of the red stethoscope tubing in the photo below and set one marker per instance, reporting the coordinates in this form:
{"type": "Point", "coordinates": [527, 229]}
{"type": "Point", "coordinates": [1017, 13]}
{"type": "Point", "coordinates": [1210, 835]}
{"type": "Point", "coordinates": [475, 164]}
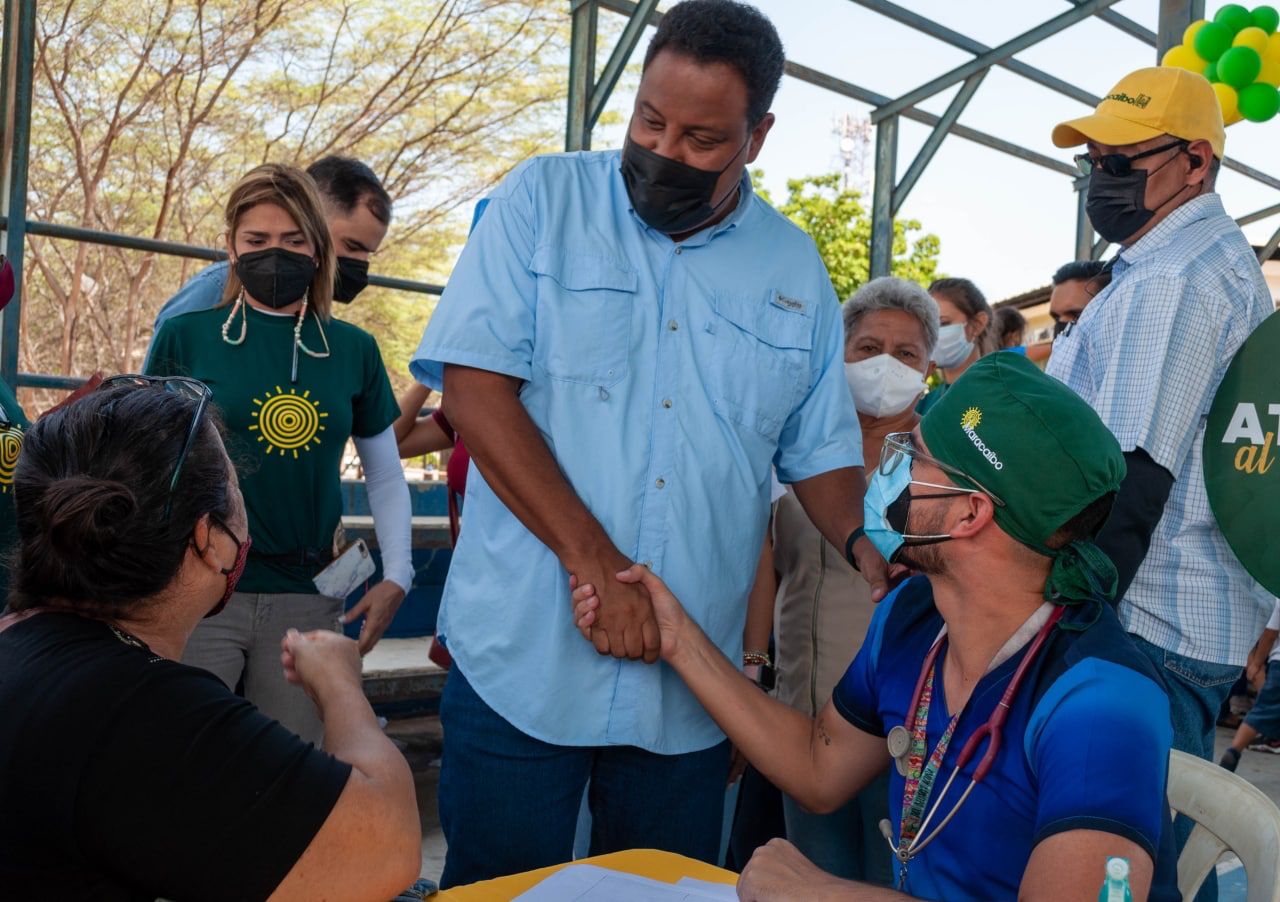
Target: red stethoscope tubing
{"type": "Point", "coordinates": [994, 727]}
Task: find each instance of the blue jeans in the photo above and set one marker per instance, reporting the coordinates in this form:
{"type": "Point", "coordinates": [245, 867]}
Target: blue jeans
{"type": "Point", "coordinates": [847, 842]}
{"type": "Point", "coordinates": [509, 802]}
{"type": "Point", "coordinates": [1196, 690]}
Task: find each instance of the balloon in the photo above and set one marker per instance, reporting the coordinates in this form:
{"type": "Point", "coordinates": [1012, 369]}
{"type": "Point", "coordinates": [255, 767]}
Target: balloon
{"type": "Point", "coordinates": [1183, 57]}
{"type": "Point", "coordinates": [1189, 36]}
{"type": "Point", "coordinates": [1229, 101]}
{"type": "Point", "coordinates": [1239, 66]}
{"type": "Point", "coordinates": [1213, 40]}
{"type": "Point", "coordinates": [1259, 102]}
{"type": "Point", "coordinates": [1253, 38]}
{"type": "Point", "coordinates": [1273, 47]}
{"type": "Point", "coordinates": [1234, 16]}
{"type": "Point", "coordinates": [1211, 72]}
{"type": "Point", "coordinates": [1270, 74]}
{"type": "Point", "coordinates": [1266, 18]}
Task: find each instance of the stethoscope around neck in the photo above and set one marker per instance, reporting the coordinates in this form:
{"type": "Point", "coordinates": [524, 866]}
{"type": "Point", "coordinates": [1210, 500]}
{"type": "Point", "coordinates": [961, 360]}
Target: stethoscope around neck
{"type": "Point", "coordinates": [899, 741]}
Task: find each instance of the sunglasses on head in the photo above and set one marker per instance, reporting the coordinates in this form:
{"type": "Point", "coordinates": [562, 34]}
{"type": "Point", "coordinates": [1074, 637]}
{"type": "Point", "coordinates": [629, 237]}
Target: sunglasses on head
{"type": "Point", "coordinates": [1118, 164]}
{"type": "Point", "coordinates": [183, 387]}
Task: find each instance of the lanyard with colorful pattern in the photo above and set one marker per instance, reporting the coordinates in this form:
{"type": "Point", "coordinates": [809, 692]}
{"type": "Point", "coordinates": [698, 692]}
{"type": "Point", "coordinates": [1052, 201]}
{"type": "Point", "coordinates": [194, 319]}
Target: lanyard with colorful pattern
{"type": "Point", "coordinates": [920, 777]}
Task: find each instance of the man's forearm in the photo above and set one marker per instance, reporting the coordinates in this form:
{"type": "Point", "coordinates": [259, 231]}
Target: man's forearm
{"type": "Point", "coordinates": [833, 501]}
{"type": "Point", "coordinates": [517, 464]}
{"type": "Point", "coordinates": [776, 739]}
{"type": "Point", "coordinates": [1139, 505]}
{"type": "Point", "coordinates": [410, 407]}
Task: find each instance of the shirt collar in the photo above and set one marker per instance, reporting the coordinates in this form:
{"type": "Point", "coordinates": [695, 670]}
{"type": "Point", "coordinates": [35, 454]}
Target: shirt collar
{"type": "Point", "coordinates": [1194, 210]}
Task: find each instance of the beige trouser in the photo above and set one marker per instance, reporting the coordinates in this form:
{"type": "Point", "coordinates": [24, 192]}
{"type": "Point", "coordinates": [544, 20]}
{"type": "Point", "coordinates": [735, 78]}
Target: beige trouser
{"type": "Point", "coordinates": [244, 641]}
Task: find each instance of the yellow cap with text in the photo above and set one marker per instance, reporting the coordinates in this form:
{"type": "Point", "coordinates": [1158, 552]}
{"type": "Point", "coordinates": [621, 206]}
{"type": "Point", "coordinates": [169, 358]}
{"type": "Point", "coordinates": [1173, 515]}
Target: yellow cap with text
{"type": "Point", "coordinates": [1146, 104]}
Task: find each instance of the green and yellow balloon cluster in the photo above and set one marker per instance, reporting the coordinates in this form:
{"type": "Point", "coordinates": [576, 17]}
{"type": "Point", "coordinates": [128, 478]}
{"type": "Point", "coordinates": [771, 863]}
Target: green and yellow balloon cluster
{"type": "Point", "coordinates": [1239, 52]}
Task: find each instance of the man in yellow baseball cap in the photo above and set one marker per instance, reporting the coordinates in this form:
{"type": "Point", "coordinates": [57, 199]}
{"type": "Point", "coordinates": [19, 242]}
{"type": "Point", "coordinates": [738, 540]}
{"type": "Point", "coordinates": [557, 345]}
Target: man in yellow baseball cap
{"type": "Point", "coordinates": [1154, 142]}
{"type": "Point", "coordinates": [1148, 355]}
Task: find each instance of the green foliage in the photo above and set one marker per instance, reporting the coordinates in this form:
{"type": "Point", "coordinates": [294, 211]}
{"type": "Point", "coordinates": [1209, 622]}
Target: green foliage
{"type": "Point", "coordinates": [841, 228]}
{"type": "Point", "coordinates": [146, 114]}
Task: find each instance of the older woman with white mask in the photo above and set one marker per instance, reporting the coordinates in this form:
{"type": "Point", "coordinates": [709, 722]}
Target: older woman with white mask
{"type": "Point", "coordinates": [823, 605]}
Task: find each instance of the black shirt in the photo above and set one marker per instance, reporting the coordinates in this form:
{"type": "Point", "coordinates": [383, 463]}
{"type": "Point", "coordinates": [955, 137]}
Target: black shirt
{"type": "Point", "coordinates": [124, 775]}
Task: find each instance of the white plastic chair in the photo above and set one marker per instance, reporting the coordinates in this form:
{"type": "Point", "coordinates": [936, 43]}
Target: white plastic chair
{"type": "Point", "coordinates": [1231, 814]}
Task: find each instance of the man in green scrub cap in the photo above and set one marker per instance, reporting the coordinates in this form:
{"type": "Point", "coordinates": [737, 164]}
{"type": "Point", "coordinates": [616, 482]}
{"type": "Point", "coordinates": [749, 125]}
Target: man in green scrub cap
{"type": "Point", "coordinates": [996, 686]}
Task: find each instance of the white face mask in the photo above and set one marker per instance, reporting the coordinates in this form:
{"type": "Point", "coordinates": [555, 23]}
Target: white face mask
{"type": "Point", "coordinates": [883, 385]}
{"type": "Point", "coordinates": [953, 348]}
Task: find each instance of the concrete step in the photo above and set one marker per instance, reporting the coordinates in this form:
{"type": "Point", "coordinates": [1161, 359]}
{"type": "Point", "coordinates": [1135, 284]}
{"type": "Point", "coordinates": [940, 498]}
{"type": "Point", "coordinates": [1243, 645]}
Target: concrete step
{"type": "Point", "coordinates": [399, 670]}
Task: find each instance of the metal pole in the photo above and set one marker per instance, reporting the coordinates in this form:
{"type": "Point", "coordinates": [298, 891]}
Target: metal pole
{"type": "Point", "coordinates": [991, 57]}
{"type": "Point", "coordinates": [1259, 215]}
{"type": "Point", "coordinates": [936, 137]}
{"type": "Point", "coordinates": [1269, 249]}
{"type": "Point", "coordinates": [627, 42]}
{"type": "Point", "coordinates": [1127, 25]}
{"type": "Point", "coordinates": [15, 201]}
{"type": "Point", "coordinates": [1084, 228]}
{"type": "Point", "coordinates": [955, 39]}
{"type": "Point", "coordinates": [1175, 16]}
{"type": "Point", "coordinates": [582, 64]}
{"type": "Point", "coordinates": [882, 198]}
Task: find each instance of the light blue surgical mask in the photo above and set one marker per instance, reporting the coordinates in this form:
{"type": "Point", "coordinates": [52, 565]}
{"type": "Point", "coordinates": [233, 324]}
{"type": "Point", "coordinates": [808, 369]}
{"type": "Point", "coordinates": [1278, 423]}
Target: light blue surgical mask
{"type": "Point", "coordinates": [953, 347]}
{"type": "Point", "coordinates": [887, 504]}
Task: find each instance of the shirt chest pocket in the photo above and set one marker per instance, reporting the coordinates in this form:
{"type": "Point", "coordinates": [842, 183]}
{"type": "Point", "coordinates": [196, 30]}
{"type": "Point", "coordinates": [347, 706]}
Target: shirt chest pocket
{"type": "Point", "coordinates": [583, 317]}
{"type": "Point", "coordinates": [760, 359]}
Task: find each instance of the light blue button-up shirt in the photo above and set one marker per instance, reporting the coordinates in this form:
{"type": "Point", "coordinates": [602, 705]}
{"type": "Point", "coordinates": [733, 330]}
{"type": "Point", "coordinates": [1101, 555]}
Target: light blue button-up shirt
{"type": "Point", "coordinates": [202, 292]}
{"type": "Point", "coordinates": [666, 379]}
{"type": "Point", "coordinates": [1148, 354]}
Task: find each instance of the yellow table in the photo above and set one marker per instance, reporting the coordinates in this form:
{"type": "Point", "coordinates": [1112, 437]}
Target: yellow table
{"type": "Point", "coordinates": [665, 866]}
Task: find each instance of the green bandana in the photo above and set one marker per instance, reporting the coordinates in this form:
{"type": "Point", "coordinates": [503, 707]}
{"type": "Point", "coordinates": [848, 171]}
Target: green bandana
{"type": "Point", "coordinates": [1036, 444]}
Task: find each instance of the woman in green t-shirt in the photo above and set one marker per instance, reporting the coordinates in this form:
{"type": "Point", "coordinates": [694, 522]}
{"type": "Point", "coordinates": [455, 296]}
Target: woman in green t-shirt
{"type": "Point", "coordinates": [293, 384]}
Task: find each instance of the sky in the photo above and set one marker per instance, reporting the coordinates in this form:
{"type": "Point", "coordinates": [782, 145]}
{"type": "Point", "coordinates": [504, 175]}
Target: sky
{"type": "Point", "coordinates": [1003, 222]}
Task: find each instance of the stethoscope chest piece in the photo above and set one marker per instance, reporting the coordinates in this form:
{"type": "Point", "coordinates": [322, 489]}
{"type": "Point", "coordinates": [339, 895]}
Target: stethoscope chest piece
{"type": "Point", "coordinates": [899, 741]}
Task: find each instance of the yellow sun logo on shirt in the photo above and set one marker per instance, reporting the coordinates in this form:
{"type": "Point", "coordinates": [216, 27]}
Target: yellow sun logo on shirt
{"type": "Point", "coordinates": [972, 417]}
{"type": "Point", "coordinates": [10, 448]}
{"type": "Point", "coordinates": [288, 421]}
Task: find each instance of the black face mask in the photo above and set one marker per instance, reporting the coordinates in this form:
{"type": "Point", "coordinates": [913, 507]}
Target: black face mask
{"type": "Point", "coordinates": [275, 277]}
{"type": "Point", "coordinates": [1060, 326]}
{"type": "Point", "coordinates": [353, 277]}
{"type": "Point", "coordinates": [1117, 204]}
{"type": "Point", "coordinates": [668, 195]}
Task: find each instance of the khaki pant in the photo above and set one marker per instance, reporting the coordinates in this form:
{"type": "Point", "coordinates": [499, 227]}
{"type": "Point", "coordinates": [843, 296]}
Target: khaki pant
{"type": "Point", "coordinates": [244, 641]}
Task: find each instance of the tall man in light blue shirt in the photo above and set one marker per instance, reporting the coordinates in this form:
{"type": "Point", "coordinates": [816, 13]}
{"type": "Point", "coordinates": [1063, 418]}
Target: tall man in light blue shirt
{"type": "Point", "coordinates": [1149, 354]}
{"type": "Point", "coordinates": [628, 343]}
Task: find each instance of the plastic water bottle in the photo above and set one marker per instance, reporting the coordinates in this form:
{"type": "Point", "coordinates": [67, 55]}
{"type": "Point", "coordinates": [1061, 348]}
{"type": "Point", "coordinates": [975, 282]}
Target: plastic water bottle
{"type": "Point", "coordinates": [1116, 887]}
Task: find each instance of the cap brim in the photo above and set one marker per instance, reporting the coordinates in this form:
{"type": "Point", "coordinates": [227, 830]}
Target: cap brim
{"type": "Point", "coordinates": [1102, 129]}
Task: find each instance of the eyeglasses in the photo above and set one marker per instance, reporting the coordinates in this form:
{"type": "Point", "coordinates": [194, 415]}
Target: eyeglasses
{"type": "Point", "coordinates": [183, 387]}
{"type": "Point", "coordinates": [1117, 163]}
{"type": "Point", "coordinates": [900, 446]}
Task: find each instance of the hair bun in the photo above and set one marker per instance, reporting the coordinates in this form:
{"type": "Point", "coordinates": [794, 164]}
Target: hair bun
{"type": "Point", "coordinates": [84, 514]}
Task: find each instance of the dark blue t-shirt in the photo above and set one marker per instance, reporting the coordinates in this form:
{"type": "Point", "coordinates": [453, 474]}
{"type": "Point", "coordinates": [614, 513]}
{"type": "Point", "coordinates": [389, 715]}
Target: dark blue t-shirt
{"type": "Point", "coordinates": [1085, 747]}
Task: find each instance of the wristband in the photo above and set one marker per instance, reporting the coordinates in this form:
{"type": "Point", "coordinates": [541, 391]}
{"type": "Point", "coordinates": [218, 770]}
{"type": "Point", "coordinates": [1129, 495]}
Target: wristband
{"type": "Point", "coordinates": [760, 658]}
{"type": "Point", "coordinates": [848, 547]}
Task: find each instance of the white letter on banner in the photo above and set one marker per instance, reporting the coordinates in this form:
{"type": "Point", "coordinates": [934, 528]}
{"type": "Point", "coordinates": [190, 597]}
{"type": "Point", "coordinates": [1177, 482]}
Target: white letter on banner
{"type": "Point", "coordinates": [1245, 424]}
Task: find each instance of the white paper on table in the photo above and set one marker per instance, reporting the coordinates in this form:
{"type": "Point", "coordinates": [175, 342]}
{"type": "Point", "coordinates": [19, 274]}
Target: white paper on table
{"type": "Point", "coordinates": [724, 891]}
{"type": "Point", "coordinates": [589, 883]}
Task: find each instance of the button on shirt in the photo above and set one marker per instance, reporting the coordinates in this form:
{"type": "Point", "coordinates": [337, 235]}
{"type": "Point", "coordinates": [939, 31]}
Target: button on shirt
{"type": "Point", "coordinates": [1148, 355]}
{"type": "Point", "coordinates": [666, 379]}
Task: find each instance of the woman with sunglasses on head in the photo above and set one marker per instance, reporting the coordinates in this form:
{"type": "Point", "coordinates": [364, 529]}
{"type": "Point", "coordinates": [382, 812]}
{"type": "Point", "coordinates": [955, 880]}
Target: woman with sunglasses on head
{"type": "Point", "coordinates": [292, 384]}
{"type": "Point", "coordinates": [125, 774]}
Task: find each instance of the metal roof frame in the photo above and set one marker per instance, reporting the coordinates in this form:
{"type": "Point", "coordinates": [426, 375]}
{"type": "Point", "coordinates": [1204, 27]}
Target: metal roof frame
{"type": "Point", "coordinates": [588, 96]}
